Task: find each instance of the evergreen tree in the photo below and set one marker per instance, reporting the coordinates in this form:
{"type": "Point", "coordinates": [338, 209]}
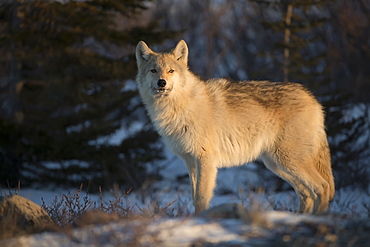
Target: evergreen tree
{"type": "Point", "coordinates": [297, 54]}
{"type": "Point", "coordinates": [300, 54]}
{"type": "Point", "coordinates": [65, 73]}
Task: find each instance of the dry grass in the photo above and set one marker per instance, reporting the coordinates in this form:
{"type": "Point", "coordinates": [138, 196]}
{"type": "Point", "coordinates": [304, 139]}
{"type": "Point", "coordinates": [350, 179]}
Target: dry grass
{"type": "Point", "coordinates": [72, 207]}
{"type": "Point", "coordinates": [76, 209]}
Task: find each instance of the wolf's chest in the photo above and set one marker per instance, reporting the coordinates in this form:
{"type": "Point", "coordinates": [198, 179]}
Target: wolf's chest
{"type": "Point", "coordinates": [182, 135]}
{"type": "Point", "coordinates": [182, 140]}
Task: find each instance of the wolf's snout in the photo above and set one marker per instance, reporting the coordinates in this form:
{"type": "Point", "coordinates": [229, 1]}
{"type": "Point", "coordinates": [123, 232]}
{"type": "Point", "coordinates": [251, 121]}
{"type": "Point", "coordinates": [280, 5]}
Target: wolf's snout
{"type": "Point", "coordinates": [161, 83]}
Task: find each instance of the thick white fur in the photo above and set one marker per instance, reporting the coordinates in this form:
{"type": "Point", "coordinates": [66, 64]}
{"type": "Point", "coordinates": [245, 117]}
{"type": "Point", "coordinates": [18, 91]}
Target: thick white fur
{"type": "Point", "coordinates": [218, 123]}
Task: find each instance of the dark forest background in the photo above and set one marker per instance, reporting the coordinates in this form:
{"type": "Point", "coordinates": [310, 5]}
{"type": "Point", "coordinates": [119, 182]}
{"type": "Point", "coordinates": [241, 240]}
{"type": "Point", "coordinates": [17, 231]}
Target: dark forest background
{"type": "Point", "coordinates": [69, 109]}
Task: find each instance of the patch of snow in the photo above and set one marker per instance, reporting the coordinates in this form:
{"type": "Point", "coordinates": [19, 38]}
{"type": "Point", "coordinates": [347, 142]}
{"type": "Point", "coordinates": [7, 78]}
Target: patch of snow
{"type": "Point", "coordinates": [160, 232]}
{"type": "Point", "coordinates": [173, 191]}
{"type": "Point", "coordinates": [179, 232]}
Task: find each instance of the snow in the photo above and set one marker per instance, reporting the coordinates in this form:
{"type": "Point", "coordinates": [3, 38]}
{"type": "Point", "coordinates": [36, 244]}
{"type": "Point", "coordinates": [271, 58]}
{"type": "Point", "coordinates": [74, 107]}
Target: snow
{"type": "Point", "coordinates": [178, 227]}
{"type": "Point", "coordinates": [170, 232]}
{"type": "Point", "coordinates": [233, 186]}
{"type": "Point", "coordinates": [176, 232]}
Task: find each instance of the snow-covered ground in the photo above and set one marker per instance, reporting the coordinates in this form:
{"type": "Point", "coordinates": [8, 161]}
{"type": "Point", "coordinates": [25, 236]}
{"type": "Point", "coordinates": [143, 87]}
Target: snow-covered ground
{"type": "Point", "coordinates": [177, 226]}
{"type": "Point", "coordinates": [234, 185]}
{"type": "Point", "coordinates": [279, 228]}
{"type": "Point", "coordinates": [266, 228]}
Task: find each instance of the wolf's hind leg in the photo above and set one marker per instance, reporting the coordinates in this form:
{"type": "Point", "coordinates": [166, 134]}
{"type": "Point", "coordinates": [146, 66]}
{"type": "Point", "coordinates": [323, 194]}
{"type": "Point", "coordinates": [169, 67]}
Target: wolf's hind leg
{"type": "Point", "coordinates": [306, 202]}
{"type": "Point", "coordinates": [319, 188]}
{"type": "Point", "coordinates": [303, 176]}
{"type": "Point", "coordinates": [322, 191]}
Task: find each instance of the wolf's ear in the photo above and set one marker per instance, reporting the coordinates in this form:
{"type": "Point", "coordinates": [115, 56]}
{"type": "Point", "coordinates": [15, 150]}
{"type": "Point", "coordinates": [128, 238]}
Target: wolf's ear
{"type": "Point", "coordinates": [181, 52]}
{"type": "Point", "coordinates": [143, 52]}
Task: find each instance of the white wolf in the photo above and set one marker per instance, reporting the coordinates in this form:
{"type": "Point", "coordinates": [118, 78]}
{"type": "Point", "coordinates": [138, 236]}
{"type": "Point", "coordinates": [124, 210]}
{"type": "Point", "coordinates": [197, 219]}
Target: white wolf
{"type": "Point", "coordinates": [220, 123]}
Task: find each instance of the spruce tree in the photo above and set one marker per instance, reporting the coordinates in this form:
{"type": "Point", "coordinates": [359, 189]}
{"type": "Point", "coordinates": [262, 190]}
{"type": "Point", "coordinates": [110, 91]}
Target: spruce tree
{"type": "Point", "coordinates": [299, 53]}
{"type": "Point", "coordinates": [296, 53]}
{"type": "Point", "coordinates": [66, 78]}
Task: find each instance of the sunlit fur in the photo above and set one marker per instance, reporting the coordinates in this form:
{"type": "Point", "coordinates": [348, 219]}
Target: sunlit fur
{"type": "Point", "coordinates": [221, 123]}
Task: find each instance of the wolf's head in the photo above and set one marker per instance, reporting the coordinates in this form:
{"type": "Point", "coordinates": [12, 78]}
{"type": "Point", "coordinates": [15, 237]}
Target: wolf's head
{"type": "Point", "coordinates": [160, 73]}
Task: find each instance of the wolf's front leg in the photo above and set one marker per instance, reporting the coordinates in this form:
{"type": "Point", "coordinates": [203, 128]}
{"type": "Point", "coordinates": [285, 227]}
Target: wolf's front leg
{"type": "Point", "coordinates": [206, 174]}
{"type": "Point", "coordinates": [191, 167]}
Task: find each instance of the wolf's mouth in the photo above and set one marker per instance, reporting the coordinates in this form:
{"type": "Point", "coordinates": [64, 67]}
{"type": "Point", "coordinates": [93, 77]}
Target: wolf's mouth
{"type": "Point", "coordinates": [161, 91]}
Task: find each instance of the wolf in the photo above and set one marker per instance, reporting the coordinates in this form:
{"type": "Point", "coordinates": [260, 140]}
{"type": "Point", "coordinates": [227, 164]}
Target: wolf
{"type": "Point", "coordinates": [219, 123]}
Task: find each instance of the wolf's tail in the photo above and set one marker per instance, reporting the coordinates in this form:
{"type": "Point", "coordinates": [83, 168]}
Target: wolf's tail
{"type": "Point", "coordinates": [323, 165]}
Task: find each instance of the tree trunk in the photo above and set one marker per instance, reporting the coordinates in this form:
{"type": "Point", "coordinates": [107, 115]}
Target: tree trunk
{"type": "Point", "coordinates": [288, 19]}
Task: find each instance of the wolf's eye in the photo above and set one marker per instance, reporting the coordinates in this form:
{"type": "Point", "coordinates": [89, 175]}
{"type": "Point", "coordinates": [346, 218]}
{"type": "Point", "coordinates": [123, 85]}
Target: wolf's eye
{"type": "Point", "coordinates": [171, 71]}
{"type": "Point", "coordinates": [153, 71]}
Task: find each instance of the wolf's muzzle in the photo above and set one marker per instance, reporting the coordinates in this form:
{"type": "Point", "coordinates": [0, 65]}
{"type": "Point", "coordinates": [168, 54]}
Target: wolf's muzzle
{"type": "Point", "coordinates": [161, 88]}
{"type": "Point", "coordinates": [161, 83]}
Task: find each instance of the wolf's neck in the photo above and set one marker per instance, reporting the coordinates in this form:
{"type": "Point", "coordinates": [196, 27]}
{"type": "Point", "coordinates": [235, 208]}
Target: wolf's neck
{"type": "Point", "coordinates": [171, 113]}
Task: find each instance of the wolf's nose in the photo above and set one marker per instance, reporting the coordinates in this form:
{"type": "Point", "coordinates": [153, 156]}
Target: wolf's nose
{"type": "Point", "coordinates": [161, 83]}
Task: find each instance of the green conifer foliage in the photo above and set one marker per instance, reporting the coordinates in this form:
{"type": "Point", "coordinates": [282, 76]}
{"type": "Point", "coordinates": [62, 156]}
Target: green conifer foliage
{"type": "Point", "coordinates": [65, 89]}
{"type": "Point", "coordinates": [300, 53]}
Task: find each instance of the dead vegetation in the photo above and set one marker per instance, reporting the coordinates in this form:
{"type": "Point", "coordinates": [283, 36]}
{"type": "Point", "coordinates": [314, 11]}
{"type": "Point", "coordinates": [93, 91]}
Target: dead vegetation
{"type": "Point", "coordinates": [75, 212]}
